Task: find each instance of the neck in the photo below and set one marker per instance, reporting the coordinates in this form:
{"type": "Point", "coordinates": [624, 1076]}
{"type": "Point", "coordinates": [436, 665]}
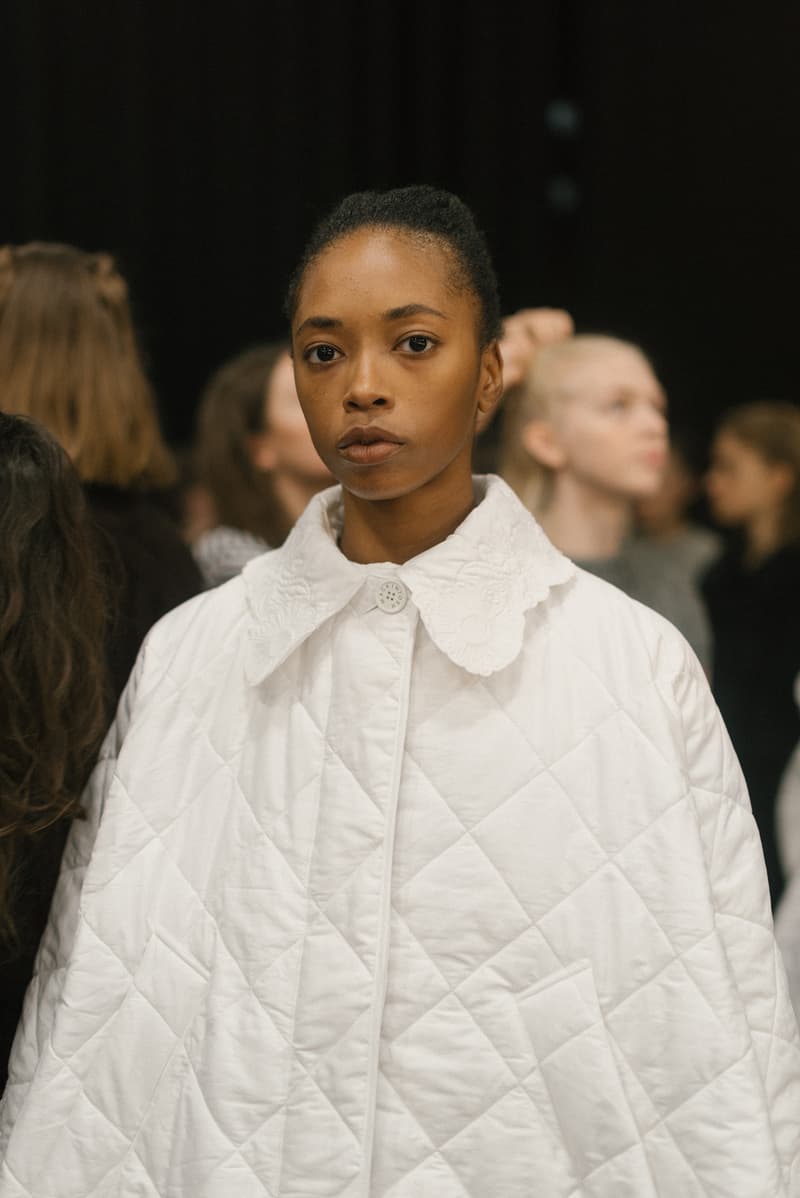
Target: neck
{"type": "Point", "coordinates": [395, 530]}
{"type": "Point", "coordinates": [669, 530]}
{"type": "Point", "coordinates": [293, 492]}
{"type": "Point", "coordinates": [762, 537]}
{"type": "Point", "coordinates": [585, 522]}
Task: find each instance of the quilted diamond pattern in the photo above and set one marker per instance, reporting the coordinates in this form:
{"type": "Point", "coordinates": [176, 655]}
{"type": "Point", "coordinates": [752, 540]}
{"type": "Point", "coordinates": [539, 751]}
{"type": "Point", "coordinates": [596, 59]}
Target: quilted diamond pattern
{"type": "Point", "coordinates": [421, 903]}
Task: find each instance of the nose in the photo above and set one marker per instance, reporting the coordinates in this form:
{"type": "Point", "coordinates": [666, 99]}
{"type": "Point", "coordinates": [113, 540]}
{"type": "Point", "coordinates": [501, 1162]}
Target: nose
{"type": "Point", "coordinates": [655, 422]}
{"type": "Point", "coordinates": [365, 387]}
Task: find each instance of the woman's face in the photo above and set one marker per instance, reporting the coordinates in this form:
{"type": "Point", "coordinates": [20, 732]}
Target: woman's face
{"type": "Point", "coordinates": [287, 438]}
{"type": "Point", "coordinates": [611, 423]}
{"type": "Point", "coordinates": [741, 484]}
{"type": "Point", "coordinates": [388, 366]}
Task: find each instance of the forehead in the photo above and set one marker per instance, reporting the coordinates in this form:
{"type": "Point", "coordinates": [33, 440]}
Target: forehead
{"type": "Point", "coordinates": [374, 270]}
{"type": "Point", "coordinates": [611, 368]}
{"type": "Point", "coordinates": [728, 445]}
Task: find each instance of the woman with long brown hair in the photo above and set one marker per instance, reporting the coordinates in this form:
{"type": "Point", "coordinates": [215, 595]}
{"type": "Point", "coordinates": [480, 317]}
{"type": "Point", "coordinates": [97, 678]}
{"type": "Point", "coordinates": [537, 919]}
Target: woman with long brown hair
{"type": "Point", "coordinates": [53, 694]}
{"type": "Point", "coordinates": [69, 359]}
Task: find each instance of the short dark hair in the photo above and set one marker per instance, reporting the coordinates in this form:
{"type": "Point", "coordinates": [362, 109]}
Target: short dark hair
{"type": "Point", "coordinates": [425, 212]}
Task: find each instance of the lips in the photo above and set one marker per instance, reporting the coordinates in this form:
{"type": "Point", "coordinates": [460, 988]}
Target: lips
{"type": "Point", "coordinates": [368, 445]}
{"type": "Point", "coordinates": [367, 435]}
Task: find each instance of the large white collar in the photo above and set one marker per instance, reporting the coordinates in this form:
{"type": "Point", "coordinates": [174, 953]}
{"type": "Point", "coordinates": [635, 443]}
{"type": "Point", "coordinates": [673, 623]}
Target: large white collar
{"type": "Point", "coordinates": [472, 591]}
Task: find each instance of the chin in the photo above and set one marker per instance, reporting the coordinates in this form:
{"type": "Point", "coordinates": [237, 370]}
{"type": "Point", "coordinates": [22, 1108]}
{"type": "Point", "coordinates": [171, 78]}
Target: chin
{"type": "Point", "coordinates": [645, 485]}
{"type": "Point", "coordinates": [374, 490]}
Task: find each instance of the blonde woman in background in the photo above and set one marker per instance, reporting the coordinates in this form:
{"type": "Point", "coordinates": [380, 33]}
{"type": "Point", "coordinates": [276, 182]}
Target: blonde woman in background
{"type": "Point", "coordinates": [69, 359]}
{"type": "Point", "coordinates": [584, 438]}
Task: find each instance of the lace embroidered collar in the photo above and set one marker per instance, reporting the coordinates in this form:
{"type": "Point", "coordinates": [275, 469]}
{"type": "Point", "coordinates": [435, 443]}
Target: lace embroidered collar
{"type": "Point", "coordinates": [472, 590]}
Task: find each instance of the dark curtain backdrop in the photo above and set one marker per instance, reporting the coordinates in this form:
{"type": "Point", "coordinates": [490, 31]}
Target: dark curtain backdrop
{"type": "Point", "coordinates": [634, 162]}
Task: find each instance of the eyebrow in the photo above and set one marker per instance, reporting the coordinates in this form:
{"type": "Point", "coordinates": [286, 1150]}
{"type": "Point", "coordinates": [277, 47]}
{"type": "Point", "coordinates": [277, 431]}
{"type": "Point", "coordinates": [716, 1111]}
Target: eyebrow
{"type": "Point", "coordinates": [401, 313]}
{"type": "Point", "coordinates": [412, 310]}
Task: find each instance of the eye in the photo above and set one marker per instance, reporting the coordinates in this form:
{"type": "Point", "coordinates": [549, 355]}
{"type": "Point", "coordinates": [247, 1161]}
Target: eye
{"type": "Point", "coordinates": [320, 355]}
{"type": "Point", "coordinates": [418, 343]}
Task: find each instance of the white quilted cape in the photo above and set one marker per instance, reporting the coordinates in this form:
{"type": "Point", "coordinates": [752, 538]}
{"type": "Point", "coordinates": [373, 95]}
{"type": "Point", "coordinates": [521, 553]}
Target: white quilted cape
{"type": "Point", "coordinates": [462, 900]}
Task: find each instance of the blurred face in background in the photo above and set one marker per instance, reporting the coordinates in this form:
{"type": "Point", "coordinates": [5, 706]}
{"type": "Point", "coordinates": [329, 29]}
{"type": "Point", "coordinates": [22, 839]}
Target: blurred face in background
{"type": "Point", "coordinates": [742, 484]}
{"type": "Point", "coordinates": [286, 447]}
{"type": "Point", "coordinates": [667, 507]}
{"type": "Point", "coordinates": [609, 426]}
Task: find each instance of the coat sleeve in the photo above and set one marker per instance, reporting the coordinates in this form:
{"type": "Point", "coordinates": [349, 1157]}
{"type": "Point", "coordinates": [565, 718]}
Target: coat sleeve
{"type": "Point", "coordinates": [787, 812]}
{"type": "Point", "coordinates": [55, 948]}
{"type": "Point", "coordinates": [740, 898]}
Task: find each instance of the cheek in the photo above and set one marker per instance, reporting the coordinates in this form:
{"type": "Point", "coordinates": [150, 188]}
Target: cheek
{"type": "Point", "coordinates": [727, 493]}
{"type": "Point", "coordinates": [715, 486]}
{"type": "Point", "coordinates": [594, 444]}
{"type": "Point", "coordinates": [312, 412]}
{"type": "Point", "coordinates": [291, 424]}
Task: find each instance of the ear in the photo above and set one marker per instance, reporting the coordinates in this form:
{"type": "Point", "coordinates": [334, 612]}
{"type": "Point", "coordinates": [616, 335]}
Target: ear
{"type": "Point", "coordinates": [261, 451]}
{"type": "Point", "coordinates": [490, 386]}
{"type": "Point", "coordinates": [540, 438]}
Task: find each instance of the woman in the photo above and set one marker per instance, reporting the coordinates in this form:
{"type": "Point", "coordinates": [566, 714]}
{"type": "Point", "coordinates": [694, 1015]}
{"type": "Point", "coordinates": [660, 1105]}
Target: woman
{"type": "Point", "coordinates": [69, 359]}
{"type": "Point", "coordinates": [585, 438]}
{"type": "Point", "coordinates": [53, 697]}
{"type": "Point", "coordinates": [753, 597]}
{"type": "Point", "coordinates": [253, 458]}
{"type": "Point", "coordinates": [422, 862]}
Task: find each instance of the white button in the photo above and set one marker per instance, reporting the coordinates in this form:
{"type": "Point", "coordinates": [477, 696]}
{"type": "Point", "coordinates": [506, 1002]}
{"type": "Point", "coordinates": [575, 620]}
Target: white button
{"type": "Point", "coordinates": [392, 595]}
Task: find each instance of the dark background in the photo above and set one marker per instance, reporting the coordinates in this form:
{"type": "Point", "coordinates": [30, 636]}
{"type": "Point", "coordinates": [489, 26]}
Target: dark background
{"type": "Point", "coordinates": [632, 161]}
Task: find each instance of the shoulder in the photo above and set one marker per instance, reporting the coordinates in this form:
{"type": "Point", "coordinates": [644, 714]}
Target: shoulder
{"type": "Point", "coordinates": [649, 671]}
{"type": "Point", "coordinates": [185, 642]}
{"type": "Point", "coordinates": [211, 614]}
{"type": "Point", "coordinates": [618, 634]}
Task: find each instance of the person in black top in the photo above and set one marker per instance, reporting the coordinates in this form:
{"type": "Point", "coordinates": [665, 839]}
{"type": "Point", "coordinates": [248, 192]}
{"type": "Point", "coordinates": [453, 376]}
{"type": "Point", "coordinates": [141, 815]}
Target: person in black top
{"type": "Point", "coordinates": [753, 597]}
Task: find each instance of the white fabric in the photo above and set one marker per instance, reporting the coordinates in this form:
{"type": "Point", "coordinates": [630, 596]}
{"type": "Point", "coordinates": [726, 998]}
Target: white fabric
{"type": "Point", "coordinates": [460, 900]}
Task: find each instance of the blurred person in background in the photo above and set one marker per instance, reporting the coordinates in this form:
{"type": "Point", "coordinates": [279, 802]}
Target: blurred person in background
{"type": "Point", "coordinates": [753, 597]}
{"type": "Point", "coordinates": [254, 460]}
{"type": "Point", "coordinates": [69, 359]}
{"type": "Point", "coordinates": [54, 703]}
{"type": "Point", "coordinates": [664, 522]}
{"type": "Point", "coordinates": [584, 439]}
